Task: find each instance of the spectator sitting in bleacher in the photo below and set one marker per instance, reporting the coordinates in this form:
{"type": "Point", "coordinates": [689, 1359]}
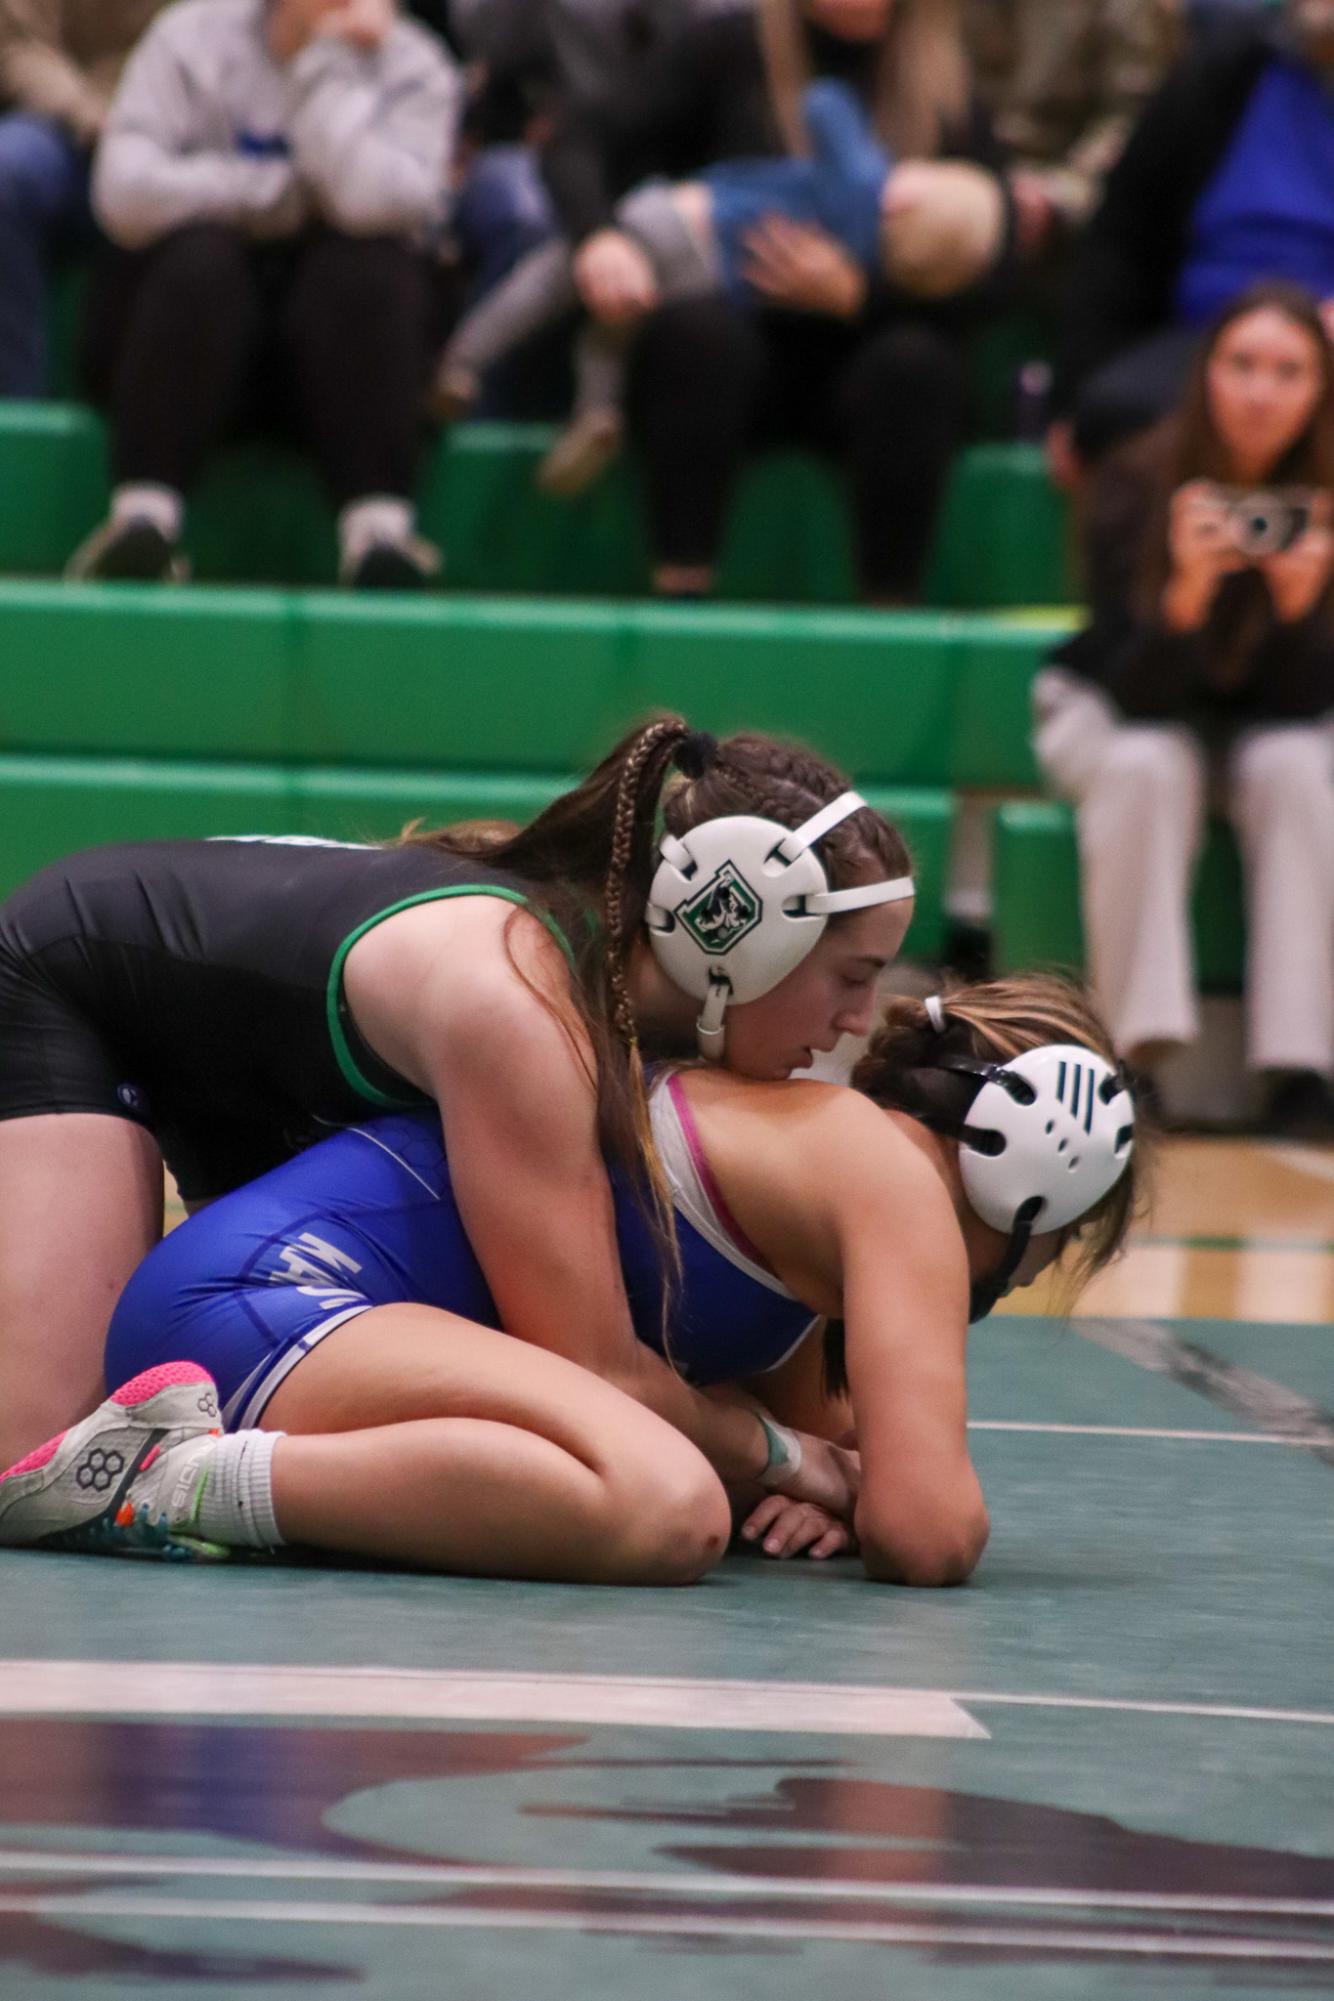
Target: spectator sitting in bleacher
{"type": "Point", "coordinates": [1064, 84]}
{"type": "Point", "coordinates": [695, 235]}
{"type": "Point", "coordinates": [512, 52]}
{"type": "Point", "coordinates": [1208, 672]}
{"type": "Point", "coordinates": [503, 208]}
{"type": "Point", "coordinates": [59, 65]}
{"type": "Point", "coordinates": [272, 172]}
{"type": "Point", "coordinates": [1227, 179]}
{"type": "Point", "coordinates": [858, 369]}
{"type": "Point", "coordinates": [524, 59]}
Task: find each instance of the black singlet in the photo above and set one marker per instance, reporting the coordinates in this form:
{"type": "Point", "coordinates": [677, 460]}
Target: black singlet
{"type": "Point", "coordinates": [195, 987]}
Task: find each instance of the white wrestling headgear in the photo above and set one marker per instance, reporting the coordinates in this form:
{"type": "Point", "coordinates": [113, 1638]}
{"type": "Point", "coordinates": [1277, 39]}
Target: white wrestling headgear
{"type": "Point", "coordinates": [1047, 1136]}
{"type": "Point", "coordinates": [737, 903]}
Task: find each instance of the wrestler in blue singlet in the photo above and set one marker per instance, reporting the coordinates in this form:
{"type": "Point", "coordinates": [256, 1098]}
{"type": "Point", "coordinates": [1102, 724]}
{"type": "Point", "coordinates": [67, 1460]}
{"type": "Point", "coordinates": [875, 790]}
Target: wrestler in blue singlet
{"type": "Point", "coordinates": [368, 1218]}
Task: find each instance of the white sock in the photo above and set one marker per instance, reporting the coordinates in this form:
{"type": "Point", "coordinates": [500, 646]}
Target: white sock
{"type": "Point", "coordinates": [236, 1505]}
{"type": "Point", "coordinates": [162, 505]}
{"type": "Point", "coordinates": [377, 517]}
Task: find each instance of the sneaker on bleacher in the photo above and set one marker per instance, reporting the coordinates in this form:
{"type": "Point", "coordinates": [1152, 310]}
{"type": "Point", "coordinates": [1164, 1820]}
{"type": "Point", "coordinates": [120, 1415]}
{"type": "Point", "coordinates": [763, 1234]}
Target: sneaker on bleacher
{"type": "Point", "coordinates": [139, 542]}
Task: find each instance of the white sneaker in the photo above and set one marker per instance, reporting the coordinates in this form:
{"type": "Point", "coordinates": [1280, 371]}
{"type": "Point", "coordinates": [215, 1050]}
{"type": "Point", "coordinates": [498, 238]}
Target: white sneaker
{"type": "Point", "coordinates": [127, 1480]}
{"type": "Point", "coordinates": [133, 551]}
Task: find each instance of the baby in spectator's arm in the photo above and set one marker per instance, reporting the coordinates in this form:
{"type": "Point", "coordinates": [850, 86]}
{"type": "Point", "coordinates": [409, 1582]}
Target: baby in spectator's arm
{"type": "Point", "coordinates": [930, 227]}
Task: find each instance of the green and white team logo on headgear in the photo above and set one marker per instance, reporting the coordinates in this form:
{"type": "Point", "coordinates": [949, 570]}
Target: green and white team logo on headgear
{"type": "Point", "coordinates": [718, 936]}
{"type": "Point", "coordinates": [723, 912]}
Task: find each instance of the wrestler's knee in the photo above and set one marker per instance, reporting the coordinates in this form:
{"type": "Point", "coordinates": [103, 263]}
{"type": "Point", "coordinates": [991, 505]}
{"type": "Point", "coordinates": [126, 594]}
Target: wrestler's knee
{"type": "Point", "coordinates": [673, 1520]}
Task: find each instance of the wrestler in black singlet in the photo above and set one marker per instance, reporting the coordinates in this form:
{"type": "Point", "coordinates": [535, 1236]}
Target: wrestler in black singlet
{"type": "Point", "coordinates": [195, 987]}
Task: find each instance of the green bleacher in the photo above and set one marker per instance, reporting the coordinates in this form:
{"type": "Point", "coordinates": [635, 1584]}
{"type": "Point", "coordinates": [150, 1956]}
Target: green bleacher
{"type": "Point", "coordinates": [1036, 885]}
{"type": "Point", "coordinates": [130, 713]}
{"type": "Point", "coordinates": [1002, 539]}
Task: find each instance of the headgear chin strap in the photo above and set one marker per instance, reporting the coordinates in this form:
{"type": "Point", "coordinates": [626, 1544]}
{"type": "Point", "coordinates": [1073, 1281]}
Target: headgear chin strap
{"type": "Point", "coordinates": [985, 1293]}
{"type": "Point", "coordinates": [737, 903]}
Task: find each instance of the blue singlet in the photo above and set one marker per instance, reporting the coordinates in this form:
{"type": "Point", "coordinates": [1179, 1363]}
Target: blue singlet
{"type": "Point", "coordinates": [368, 1218]}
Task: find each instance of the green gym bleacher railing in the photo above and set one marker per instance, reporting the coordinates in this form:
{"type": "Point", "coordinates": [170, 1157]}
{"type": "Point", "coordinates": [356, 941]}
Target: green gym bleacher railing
{"type": "Point", "coordinates": [131, 713]}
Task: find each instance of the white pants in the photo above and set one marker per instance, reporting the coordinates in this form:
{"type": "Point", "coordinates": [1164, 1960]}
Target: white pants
{"type": "Point", "coordinates": [1141, 791]}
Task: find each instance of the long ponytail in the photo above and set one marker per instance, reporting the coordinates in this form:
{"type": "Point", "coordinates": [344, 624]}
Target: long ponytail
{"type": "Point", "coordinates": [591, 856]}
{"type": "Point", "coordinates": [592, 850]}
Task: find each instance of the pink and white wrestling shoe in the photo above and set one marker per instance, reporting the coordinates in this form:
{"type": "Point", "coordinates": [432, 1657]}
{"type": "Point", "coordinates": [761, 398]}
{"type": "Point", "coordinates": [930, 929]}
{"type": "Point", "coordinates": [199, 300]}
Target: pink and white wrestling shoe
{"type": "Point", "coordinates": [107, 1486]}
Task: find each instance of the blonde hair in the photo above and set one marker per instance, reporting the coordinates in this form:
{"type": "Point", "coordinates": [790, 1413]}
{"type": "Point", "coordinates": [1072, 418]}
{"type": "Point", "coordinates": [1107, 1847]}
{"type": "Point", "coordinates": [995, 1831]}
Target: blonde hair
{"type": "Point", "coordinates": [989, 1021]}
{"type": "Point", "coordinates": [922, 86]}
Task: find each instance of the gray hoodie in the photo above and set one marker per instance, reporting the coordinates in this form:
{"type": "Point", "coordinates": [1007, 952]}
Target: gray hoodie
{"type": "Point", "coordinates": [208, 127]}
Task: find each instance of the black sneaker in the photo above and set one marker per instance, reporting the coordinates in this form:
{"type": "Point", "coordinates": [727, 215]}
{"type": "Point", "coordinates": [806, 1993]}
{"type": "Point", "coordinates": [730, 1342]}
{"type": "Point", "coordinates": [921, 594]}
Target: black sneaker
{"type": "Point", "coordinates": [1300, 1106]}
{"type": "Point", "coordinates": [409, 565]}
{"type": "Point", "coordinates": [133, 551]}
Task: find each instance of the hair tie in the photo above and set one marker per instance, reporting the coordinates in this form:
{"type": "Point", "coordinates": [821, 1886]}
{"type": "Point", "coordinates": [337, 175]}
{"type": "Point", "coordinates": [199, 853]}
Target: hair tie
{"type": "Point", "coordinates": [696, 753]}
{"type": "Point", "coordinates": [935, 1012]}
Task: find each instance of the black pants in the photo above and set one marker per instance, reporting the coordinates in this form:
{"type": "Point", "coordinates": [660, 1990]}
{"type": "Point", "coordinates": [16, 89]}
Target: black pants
{"type": "Point", "coordinates": [711, 383]}
{"type": "Point", "coordinates": [325, 340]}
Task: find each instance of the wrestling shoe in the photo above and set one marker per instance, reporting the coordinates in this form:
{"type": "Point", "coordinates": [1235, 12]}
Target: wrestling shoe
{"type": "Point", "coordinates": [126, 1481]}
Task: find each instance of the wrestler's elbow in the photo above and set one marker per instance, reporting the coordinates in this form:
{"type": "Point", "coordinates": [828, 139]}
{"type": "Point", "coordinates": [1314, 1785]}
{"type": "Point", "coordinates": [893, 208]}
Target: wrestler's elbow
{"type": "Point", "coordinates": [925, 1549]}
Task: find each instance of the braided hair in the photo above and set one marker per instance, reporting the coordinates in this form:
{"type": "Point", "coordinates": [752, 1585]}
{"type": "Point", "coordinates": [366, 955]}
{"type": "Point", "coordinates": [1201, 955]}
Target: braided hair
{"type": "Point", "coordinates": [593, 854]}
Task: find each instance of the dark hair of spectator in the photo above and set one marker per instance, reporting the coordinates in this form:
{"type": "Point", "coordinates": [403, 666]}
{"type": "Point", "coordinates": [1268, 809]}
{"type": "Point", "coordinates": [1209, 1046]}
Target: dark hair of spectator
{"type": "Point", "coordinates": [922, 86]}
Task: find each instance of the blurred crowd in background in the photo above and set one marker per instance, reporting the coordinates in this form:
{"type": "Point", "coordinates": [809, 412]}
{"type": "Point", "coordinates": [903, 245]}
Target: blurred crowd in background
{"type": "Point", "coordinates": [702, 228]}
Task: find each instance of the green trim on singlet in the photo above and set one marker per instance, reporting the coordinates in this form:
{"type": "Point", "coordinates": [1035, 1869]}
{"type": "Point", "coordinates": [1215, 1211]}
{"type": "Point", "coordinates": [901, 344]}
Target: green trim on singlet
{"type": "Point", "coordinates": [347, 1062]}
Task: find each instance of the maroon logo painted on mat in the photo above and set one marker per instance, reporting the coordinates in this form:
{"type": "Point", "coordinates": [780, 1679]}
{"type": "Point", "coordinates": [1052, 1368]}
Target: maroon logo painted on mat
{"type": "Point", "coordinates": [276, 1786]}
{"type": "Point", "coordinates": [280, 1785]}
{"type": "Point", "coordinates": [867, 1832]}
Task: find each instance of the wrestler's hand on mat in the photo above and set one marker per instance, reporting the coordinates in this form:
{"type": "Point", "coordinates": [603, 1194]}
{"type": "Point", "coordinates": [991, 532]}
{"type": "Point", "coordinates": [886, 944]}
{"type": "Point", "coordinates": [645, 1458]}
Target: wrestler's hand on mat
{"type": "Point", "coordinates": [795, 1528]}
{"type": "Point", "coordinates": [830, 1476]}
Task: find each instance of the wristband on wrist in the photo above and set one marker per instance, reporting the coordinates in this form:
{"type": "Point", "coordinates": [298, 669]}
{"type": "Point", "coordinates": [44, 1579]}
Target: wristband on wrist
{"type": "Point", "coordinates": [783, 1448]}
